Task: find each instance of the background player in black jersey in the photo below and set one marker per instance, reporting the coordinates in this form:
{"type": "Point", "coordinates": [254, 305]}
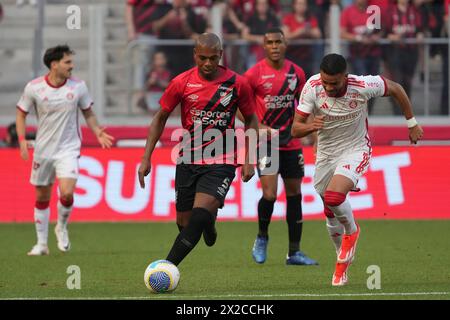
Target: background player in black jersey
{"type": "Point", "coordinates": [277, 84]}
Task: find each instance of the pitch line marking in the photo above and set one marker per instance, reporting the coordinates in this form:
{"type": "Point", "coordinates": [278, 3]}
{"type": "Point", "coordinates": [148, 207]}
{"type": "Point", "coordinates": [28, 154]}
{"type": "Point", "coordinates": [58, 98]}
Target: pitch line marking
{"type": "Point", "coordinates": [171, 296]}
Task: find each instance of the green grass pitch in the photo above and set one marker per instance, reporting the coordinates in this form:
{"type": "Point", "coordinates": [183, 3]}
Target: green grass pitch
{"type": "Point", "coordinates": [413, 257]}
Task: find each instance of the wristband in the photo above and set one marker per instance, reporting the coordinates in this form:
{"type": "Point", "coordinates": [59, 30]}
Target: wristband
{"type": "Point", "coordinates": [21, 138]}
{"type": "Point", "coordinates": [411, 122]}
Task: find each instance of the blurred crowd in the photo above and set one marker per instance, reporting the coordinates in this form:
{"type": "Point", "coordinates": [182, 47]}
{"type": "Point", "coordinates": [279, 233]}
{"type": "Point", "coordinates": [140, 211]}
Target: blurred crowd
{"type": "Point", "coordinates": [299, 19]}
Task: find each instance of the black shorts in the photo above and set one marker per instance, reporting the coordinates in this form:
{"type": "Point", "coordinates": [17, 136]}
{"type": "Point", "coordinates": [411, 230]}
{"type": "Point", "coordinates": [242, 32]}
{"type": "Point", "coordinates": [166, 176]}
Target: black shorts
{"type": "Point", "coordinates": [214, 179]}
{"type": "Point", "coordinates": [291, 165]}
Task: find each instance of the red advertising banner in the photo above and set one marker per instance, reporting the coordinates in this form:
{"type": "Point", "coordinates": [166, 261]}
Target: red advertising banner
{"type": "Point", "coordinates": [402, 183]}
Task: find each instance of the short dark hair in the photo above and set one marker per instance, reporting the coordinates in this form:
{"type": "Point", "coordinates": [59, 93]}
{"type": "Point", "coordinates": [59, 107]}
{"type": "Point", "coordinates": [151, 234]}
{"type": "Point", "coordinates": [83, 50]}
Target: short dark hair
{"type": "Point", "coordinates": [56, 54]}
{"type": "Point", "coordinates": [274, 30]}
{"type": "Point", "coordinates": [333, 64]}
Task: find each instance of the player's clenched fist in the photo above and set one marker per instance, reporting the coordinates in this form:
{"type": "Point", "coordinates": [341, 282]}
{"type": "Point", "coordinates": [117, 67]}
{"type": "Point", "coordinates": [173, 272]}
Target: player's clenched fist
{"type": "Point", "coordinates": [143, 171]}
{"type": "Point", "coordinates": [317, 122]}
{"type": "Point", "coordinates": [247, 172]}
{"type": "Point", "coordinates": [415, 134]}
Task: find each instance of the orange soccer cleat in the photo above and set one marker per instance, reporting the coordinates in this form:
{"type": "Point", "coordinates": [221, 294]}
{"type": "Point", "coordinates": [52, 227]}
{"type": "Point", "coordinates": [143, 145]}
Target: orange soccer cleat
{"type": "Point", "coordinates": [340, 277]}
{"type": "Point", "coordinates": [348, 247]}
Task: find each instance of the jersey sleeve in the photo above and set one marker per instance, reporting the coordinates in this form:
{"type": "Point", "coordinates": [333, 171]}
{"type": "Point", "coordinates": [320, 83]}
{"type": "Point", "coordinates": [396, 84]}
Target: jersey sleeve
{"type": "Point", "coordinates": [85, 101]}
{"type": "Point", "coordinates": [307, 101]}
{"type": "Point", "coordinates": [171, 96]}
{"type": "Point", "coordinates": [246, 101]}
{"type": "Point", "coordinates": [27, 100]}
{"type": "Point", "coordinates": [375, 86]}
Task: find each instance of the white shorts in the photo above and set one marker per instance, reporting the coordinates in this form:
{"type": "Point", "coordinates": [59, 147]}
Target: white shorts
{"type": "Point", "coordinates": [351, 165]}
{"type": "Point", "coordinates": [43, 171]}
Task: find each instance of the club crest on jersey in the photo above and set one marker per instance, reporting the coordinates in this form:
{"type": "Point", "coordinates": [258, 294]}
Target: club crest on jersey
{"type": "Point", "coordinates": [226, 98]}
{"type": "Point", "coordinates": [36, 165]}
{"type": "Point", "coordinates": [353, 104]}
{"type": "Point", "coordinates": [292, 84]}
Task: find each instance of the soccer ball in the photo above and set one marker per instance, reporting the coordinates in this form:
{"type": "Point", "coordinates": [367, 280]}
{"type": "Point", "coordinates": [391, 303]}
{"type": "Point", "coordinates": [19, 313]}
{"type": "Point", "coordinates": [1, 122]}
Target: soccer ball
{"type": "Point", "coordinates": [161, 276]}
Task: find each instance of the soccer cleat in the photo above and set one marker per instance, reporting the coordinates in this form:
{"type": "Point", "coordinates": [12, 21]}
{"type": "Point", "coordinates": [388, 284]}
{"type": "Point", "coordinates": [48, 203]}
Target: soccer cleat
{"type": "Point", "coordinates": [340, 277]}
{"type": "Point", "coordinates": [300, 259]}
{"type": "Point", "coordinates": [62, 237]}
{"type": "Point", "coordinates": [259, 251]}
{"type": "Point", "coordinates": [210, 236]}
{"type": "Point", "coordinates": [348, 247]}
{"type": "Point", "coordinates": [39, 250]}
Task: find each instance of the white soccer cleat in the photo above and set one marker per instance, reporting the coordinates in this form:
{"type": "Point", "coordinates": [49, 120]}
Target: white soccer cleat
{"type": "Point", "coordinates": [39, 250]}
{"type": "Point", "coordinates": [62, 237]}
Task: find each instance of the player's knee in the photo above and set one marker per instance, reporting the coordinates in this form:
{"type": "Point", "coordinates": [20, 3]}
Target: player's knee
{"type": "Point", "coordinates": [66, 199]}
{"type": "Point", "coordinates": [270, 195]}
{"type": "Point", "coordinates": [201, 218]}
{"type": "Point", "coordinates": [333, 199]}
{"type": "Point", "coordinates": [42, 205]}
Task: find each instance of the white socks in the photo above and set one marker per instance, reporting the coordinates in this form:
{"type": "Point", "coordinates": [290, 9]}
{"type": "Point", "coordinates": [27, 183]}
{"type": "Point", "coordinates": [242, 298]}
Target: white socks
{"type": "Point", "coordinates": [63, 215]}
{"type": "Point", "coordinates": [41, 217]}
{"type": "Point", "coordinates": [344, 214]}
{"type": "Point", "coordinates": [335, 230]}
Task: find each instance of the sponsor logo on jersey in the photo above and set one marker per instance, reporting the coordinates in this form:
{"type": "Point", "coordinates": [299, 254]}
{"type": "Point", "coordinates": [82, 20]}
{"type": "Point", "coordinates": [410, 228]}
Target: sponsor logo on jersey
{"type": "Point", "coordinates": [324, 106]}
{"type": "Point", "coordinates": [193, 97]}
{"type": "Point", "coordinates": [282, 101]}
{"type": "Point", "coordinates": [267, 76]}
{"type": "Point", "coordinates": [267, 85]}
{"type": "Point", "coordinates": [194, 85]}
{"type": "Point", "coordinates": [215, 118]}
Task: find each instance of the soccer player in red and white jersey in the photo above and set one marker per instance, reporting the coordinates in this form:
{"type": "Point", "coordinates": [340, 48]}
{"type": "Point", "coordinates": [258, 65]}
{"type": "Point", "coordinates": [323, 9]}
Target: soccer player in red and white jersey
{"type": "Point", "coordinates": [209, 96]}
{"type": "Point", "coordinates": [338, 102]}
{"type": "Point", "coordinates": [277, 83]}
{"type": "Point", "coordinates": [56, 99]}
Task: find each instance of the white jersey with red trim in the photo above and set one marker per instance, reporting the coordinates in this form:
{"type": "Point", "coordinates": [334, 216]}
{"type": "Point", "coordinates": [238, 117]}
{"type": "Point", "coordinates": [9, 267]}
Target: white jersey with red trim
{"type": "Point", "coordinates": [58, 132]}
{"type": "Point", "coordinates": [345, 124]}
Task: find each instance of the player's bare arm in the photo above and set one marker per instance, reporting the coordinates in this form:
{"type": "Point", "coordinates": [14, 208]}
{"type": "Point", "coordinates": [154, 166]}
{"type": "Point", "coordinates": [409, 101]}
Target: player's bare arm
{"type": "Point", "coordinates": [248, 170]}
{"type": "Point", "coordinates": [20, 127]}
{"type": "Point", "coordinates": [301, 127]}
{"type": "Point", "coordinates": [103, 138]}
{"type": "Point", "coordinates": [398, 93]}
{"type": "Point", "coordinates": [154, 133]}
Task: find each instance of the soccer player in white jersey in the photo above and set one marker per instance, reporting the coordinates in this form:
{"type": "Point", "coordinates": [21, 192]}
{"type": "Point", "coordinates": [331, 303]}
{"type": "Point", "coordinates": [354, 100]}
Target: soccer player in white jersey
{"type": "Point", "coordinates": [56, 98]}
{"type": "Point", "coordinates": [338, 102]}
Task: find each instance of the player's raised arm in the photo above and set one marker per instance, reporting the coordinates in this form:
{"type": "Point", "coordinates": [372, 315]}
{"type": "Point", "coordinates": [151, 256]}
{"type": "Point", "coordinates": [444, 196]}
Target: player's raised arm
{"type": "Point", "coordinates": [103, 138]}
{"type": "Point", "coordinates": [395, 90]}
{"type": "Point", "coordinates": [154, 133]}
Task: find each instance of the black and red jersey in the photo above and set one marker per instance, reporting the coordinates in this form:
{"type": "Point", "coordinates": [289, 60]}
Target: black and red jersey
{"type": "Point", "coordinates": [207, 105]}
{"type": "Point", "coordinates": [277, 93]}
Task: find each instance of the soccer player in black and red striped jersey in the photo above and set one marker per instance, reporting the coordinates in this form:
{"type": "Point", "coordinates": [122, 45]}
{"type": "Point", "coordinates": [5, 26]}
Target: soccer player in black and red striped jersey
{"type": "Point", "coordinates": [210, 96]}
{"type": "Point", "coordinates": [277, 83]}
